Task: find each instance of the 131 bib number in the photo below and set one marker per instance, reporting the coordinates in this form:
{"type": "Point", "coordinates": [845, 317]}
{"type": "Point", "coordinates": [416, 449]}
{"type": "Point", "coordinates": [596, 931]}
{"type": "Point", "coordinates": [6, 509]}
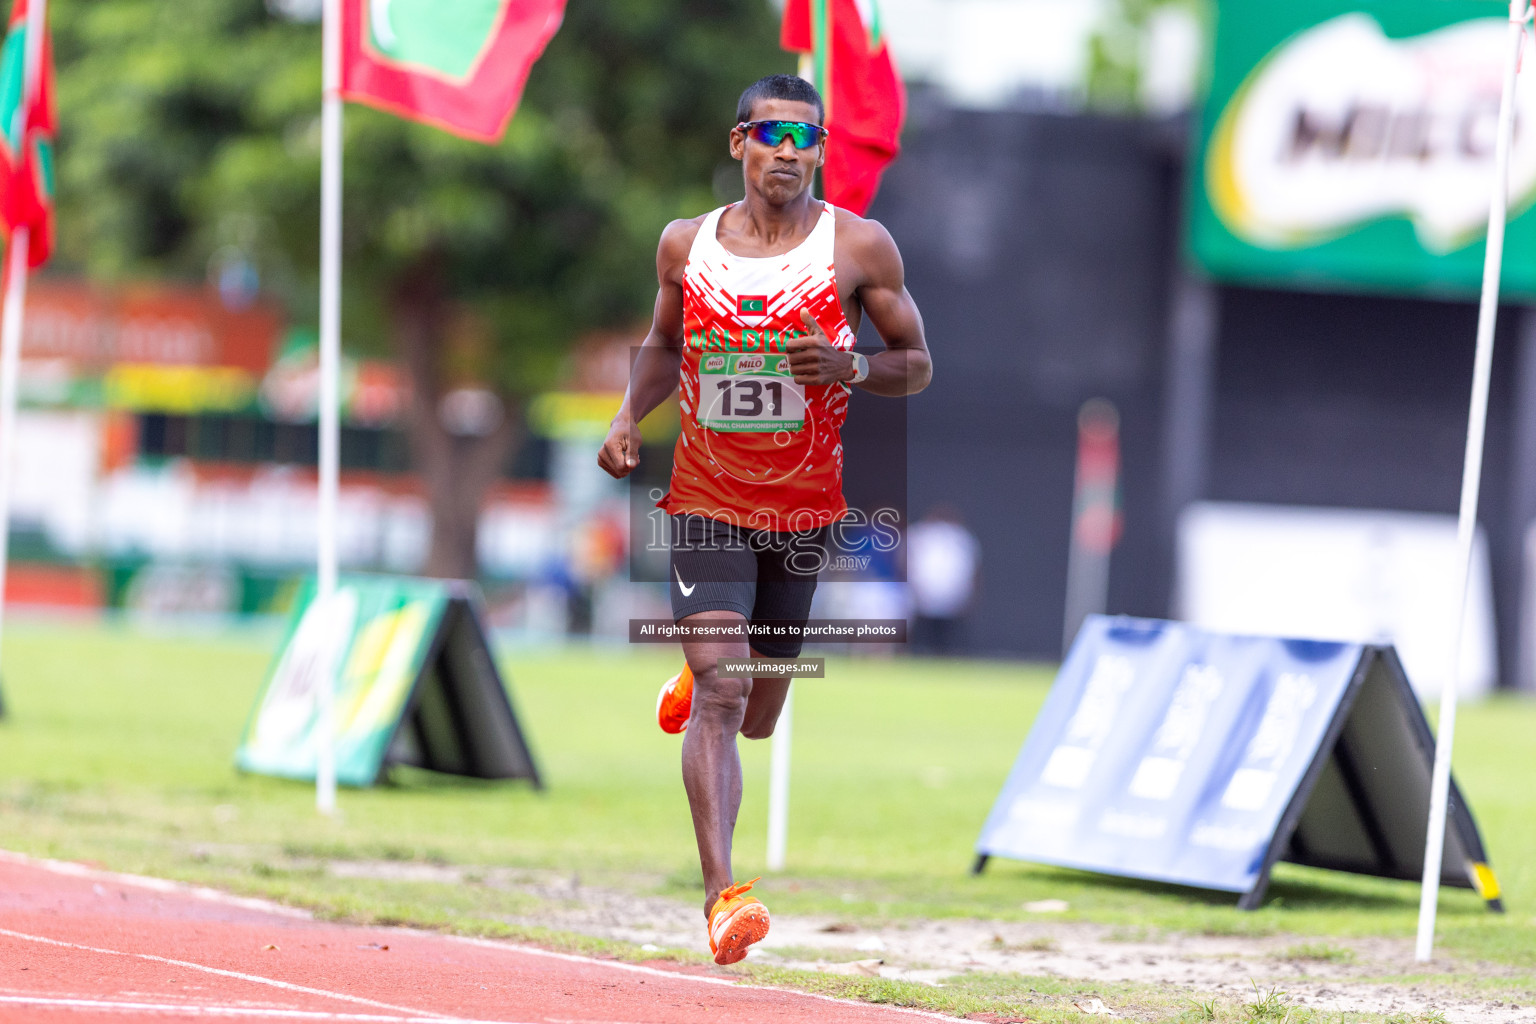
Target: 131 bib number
{"type": "Point", "coordinates": [749, 393]}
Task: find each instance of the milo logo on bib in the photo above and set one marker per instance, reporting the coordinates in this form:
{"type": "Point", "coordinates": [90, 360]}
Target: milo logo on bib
{"type": "Point", "coordinates": [750, 393]}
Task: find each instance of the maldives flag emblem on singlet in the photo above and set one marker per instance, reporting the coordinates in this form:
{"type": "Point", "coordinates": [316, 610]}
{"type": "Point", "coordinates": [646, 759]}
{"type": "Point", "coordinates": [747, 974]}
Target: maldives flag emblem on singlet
{"type": "Point", "coordinates": [752, 310]}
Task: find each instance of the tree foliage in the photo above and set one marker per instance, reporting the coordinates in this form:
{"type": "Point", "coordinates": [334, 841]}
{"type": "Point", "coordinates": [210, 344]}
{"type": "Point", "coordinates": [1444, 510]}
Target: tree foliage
{"type": "Point", "coordinates": [1117, 50]}
{"type": "Point", "coordinates": [190, 130]}
{"type": "Point", "coordinates": [190, 140]}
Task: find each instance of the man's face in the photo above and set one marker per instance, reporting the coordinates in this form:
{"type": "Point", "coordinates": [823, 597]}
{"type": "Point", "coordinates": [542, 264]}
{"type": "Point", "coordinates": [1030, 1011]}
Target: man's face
{"type": "Point", "coordinates": [779, 174]}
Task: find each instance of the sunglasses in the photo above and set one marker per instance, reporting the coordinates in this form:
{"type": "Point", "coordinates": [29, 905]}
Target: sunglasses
{"type": "Point", "coordinates": [773, 133]}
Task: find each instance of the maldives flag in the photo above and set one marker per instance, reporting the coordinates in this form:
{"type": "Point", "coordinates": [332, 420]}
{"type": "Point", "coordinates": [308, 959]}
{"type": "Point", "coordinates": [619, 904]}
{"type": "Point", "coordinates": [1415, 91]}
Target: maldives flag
{"type": "Point", "coordinates": [26, 140]}
{"type": "Point", "coordinates": [456, 64]}
{"type": "Point", "coordinates": [866, 103]}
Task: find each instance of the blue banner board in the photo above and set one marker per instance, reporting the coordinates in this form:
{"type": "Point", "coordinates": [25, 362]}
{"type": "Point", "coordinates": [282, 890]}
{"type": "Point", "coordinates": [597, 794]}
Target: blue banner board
{"type": "Point", "coordinates": [1172, 754]}
{"type": "Point", "coordinates": [1120, 775]}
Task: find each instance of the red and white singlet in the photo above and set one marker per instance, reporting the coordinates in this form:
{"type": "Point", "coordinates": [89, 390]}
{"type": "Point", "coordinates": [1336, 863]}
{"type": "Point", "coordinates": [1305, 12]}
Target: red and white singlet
{"type": "Point", "coordinates": [757, 449]}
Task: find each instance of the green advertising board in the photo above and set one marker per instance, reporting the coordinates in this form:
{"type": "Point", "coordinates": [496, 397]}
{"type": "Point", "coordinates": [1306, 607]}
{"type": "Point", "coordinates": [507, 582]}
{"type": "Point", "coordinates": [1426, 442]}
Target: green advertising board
{"type": "Point", "coordinates": [1349, 146]}
{"type": "Point", "coordinates": [413, 682]}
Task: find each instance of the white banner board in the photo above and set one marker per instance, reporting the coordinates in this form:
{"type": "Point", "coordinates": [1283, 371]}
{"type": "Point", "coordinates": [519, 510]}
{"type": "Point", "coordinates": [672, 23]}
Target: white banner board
{"type": "Point", "coordinates": [1364, 576]}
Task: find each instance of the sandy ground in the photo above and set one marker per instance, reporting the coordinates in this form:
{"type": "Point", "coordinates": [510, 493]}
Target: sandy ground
{"type": "Point", "coordinates": [1226, 967]}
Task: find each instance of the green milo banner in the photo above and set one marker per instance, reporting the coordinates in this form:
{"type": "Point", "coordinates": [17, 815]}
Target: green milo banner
{"type": "Point", "coordinates": [1349, 146]}
{"type": "Point", "coordinates": [413, 682]}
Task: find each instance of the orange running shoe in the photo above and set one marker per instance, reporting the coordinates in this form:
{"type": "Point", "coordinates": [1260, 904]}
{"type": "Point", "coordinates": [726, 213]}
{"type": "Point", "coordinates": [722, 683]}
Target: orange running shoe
{"type": "Point", "coordinates": [737, 921]}
{"type": "Point", "coordinates": [675, 702]}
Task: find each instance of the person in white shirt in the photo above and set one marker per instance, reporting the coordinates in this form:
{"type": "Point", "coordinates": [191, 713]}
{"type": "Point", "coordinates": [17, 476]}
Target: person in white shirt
{"type": "Point", "coordinates": [942, 559]}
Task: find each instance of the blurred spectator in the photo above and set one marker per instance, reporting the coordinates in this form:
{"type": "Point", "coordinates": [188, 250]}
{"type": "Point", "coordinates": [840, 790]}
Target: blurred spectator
{"type": "Point", "coordinates": [942, 558]}
{"type": "Point", "coordinates": [597, 553]}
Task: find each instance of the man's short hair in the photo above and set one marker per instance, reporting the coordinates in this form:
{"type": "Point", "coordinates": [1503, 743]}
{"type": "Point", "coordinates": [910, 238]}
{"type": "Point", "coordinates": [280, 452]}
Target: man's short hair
{"type": "Point", "coordinates": [780, 87]}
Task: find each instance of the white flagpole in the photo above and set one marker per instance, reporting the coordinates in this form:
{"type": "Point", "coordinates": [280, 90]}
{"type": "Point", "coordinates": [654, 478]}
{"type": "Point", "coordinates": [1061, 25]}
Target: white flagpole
{"type": "Point", "coordinates": [1471, 485]}
{"type": "Point", "coordinates": [778, 783]}
{"type": "Point", "coordinates": [330, 365]}
{"type": "Point", "coordinates": [10, 364]}
{"type": "Point", "coordinates": [16, 297]}
{"type": "Point", "coordinates": [783, 731]}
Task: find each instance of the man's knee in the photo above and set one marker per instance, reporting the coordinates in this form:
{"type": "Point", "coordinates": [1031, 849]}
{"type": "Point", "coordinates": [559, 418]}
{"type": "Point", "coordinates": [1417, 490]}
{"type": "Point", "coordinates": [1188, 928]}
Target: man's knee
{"type": "Point", "coordinates": [720, 698]}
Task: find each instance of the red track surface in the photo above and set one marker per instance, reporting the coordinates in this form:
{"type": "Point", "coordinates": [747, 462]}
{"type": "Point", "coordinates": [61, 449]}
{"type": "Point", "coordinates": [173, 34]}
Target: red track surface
{"type": "Point", "coordinates": [87, 946]}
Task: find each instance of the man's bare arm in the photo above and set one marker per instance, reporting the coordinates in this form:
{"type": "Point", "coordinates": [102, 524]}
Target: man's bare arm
{"type": "Point", "coordinates": [654, 375]}
{"type": "Point", "coordinates": [905, 368]}
{"type": "Point", "coordinates": [867, 251]}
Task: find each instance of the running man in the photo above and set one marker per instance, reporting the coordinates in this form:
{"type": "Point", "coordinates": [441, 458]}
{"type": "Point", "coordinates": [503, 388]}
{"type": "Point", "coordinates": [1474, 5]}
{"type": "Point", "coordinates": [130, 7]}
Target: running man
{"type": "Point", "coordinates": [759, 305]}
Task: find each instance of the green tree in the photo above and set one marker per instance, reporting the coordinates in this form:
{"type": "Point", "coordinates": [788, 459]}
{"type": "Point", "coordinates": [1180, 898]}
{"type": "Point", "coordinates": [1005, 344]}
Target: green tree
{"type": "Point", "coordinates": [1117, 50]}
{"type": "Point", "coordinates": [188, 127]}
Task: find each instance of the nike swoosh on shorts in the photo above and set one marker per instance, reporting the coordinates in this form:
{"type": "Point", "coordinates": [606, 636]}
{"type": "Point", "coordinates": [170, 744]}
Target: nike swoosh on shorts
{"type": "Point", "coordinates": [685, 588]}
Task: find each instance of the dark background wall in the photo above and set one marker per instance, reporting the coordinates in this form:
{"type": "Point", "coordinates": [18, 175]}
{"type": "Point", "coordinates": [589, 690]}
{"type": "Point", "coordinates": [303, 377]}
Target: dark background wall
{"type": "Point", "coordinates": [1045, 254]}
{"type": "Point", "coordinates": [1361, 402]}
{"type": "Point", "coordinates": [1038, 250]}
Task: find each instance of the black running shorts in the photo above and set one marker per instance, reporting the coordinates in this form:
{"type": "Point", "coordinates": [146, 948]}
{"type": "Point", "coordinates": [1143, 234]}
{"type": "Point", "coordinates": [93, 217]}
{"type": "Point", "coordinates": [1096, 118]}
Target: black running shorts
{"type": "Point", "coordinates": [765, 576]}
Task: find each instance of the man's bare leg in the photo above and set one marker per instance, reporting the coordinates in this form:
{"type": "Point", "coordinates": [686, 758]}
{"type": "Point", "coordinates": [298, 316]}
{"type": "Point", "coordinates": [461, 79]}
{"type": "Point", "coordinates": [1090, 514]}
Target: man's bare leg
{"type": "Point", "coordinates": [722, 708]}
{"type": "Point", "coordinates": [764, 706]}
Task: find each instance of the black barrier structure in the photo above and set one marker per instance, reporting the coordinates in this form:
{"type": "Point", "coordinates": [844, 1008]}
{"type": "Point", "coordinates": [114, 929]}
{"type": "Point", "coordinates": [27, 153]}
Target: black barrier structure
{"type": "Point", "coordinates": [458, 719]}
{"type": "Point", "coordinates": [413, 681]}
{"type": "Point", "coordinates": [1171, 754]}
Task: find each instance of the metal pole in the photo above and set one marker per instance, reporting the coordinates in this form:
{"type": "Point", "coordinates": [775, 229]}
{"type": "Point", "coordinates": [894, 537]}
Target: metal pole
{"type": "Point", "coordinates": [16, 294]}
{"type": "Point", "coordinates": [1093, 515]}
{"type": "Point", "coordinates": [330, 365]}
{"type": "Point", "coordinates": [778, 784]}
{"type": "Point", "coordinates": [10, 364]}
{"type": "Point", "coordinates": [37, 31]}
{"type": "Point", "coordinates": [1471, 485]}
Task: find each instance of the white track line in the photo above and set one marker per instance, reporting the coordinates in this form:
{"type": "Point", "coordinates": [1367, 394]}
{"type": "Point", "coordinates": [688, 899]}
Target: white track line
{"type": "Point", "coordinates": [255, 978]}
{"type": "Point", "coordinates": [249, 903]}
{"type": "Point", "coordinates": [160, 885]}
{"type": "Point", "coordinates": [657, 972]}
{"type": "Point", "coordinates": [194, 1010]}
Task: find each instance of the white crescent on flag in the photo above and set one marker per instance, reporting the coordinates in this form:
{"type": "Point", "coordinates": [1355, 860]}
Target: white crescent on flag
{"type": "Point", "coordinates": [378, 22]}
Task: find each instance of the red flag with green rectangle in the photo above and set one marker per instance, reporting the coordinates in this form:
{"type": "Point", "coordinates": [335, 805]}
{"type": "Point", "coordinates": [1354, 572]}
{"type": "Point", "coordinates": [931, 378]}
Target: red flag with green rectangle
{"type": "Point", "coordinates": [460, 66]}
{"type": "Point", "coordinates": [26, 139]}
{"type": "Point", "coordinates": [866, 103]}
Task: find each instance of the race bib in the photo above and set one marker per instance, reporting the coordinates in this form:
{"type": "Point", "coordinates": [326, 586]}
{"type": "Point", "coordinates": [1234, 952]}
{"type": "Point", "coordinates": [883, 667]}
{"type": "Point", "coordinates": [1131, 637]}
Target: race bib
{"type": "Point", "coordinates": [741, 392]}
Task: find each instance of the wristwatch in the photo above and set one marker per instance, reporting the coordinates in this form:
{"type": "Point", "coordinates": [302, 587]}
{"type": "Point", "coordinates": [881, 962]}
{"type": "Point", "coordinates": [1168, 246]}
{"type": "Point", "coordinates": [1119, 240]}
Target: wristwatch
{"type": "Point", "coordinates": [860, 368]}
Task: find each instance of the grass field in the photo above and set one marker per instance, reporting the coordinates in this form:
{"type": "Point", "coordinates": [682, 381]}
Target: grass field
{"type": "Point", "coordinates": [118, 751]}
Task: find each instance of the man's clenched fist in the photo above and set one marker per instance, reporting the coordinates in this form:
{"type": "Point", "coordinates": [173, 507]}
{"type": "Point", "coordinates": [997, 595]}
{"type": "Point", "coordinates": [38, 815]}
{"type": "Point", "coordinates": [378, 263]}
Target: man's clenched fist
{"type": "Point", "coordinates": [621, 451]}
